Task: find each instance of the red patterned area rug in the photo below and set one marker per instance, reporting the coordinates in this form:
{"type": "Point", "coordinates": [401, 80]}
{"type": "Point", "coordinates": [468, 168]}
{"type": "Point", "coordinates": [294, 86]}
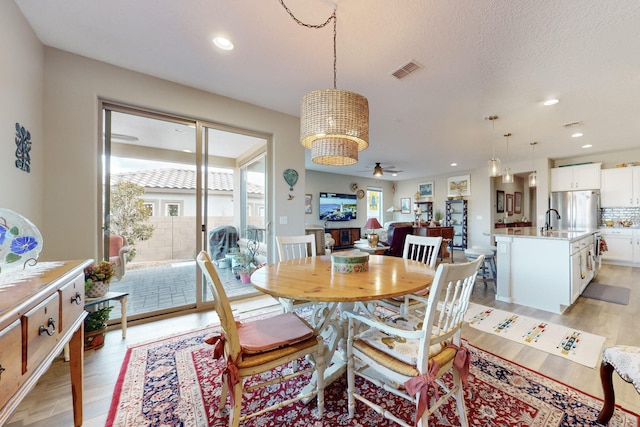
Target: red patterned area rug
{"type": "Point", "coordinates": [176, 382]}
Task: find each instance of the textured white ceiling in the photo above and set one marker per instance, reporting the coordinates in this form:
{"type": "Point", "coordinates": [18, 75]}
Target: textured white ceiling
{"type": "Point", "coordinates": [480, 57]}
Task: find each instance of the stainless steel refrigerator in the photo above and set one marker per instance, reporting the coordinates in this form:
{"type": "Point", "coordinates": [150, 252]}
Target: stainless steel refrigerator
{"type": "Point", "coordinates": [578, 209]}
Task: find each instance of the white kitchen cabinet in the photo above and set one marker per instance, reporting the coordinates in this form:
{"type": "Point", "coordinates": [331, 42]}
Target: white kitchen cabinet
{"type": "Point", "coordinates": [541, 271]}
{"type": "Point", "coordinates": [582, 265]}
{"type": "Point", "coordinates": [620, 187]}
{"type": "Point", "coordinates": [620, 245]}
{"type": "Point", "coordinates": [636, 246]}
{"type": "Point", "coordinates": [580, 177]}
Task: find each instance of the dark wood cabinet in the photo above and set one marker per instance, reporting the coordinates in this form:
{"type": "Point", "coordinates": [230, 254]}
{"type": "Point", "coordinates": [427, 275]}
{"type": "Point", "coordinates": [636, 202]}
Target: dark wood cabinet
{"type": "Point", "coordinates": [512, 224]}
{"type": "Point", "coordinates": [344, 237]}
{"type": "Point", "coordinates": [444, 232]}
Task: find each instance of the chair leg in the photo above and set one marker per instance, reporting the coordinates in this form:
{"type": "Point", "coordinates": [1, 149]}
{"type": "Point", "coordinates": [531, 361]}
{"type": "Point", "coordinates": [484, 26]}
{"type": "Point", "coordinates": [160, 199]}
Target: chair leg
{"type": "Point", "coordinates": [234, 413]}
{"type": "Point", "coordinates": [606, 376]}
{"type": "Point", "coordinates": [351, 374]}
{"type": "Point", "coordinates": [223, 395]}
{"type": "Point", "coordinates": [459, 396]}
{"type": "Point", "coordinates": [320, 366]}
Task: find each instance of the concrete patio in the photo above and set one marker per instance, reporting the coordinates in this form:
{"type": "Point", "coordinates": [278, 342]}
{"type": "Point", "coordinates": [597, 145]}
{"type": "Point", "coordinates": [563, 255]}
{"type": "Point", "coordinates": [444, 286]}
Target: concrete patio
{"type": "Point", "coordinates": [170, 285]}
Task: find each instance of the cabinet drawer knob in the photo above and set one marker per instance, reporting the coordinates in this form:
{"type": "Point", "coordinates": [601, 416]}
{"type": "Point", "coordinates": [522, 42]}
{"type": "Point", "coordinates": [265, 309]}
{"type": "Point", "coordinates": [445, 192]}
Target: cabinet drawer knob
{"type": "Point", "coordinates": [50, 329]}
{"type": "Point", "coordinates": [2, 369]}
{"type": "Point", "coordinates": [77, 298]}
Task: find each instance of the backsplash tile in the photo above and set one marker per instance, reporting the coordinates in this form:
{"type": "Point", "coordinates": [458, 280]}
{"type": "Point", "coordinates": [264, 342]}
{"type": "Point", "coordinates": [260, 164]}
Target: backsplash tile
{"type": "Point", "coordinates": [620, 214]}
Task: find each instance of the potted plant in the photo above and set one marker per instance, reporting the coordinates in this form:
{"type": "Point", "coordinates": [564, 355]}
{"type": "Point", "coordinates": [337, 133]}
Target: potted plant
{"type": "Point", "coordinates": [437, 216]}
{"type": "Point", "coordinates": [243, 273]}
{"type": "Point", "coordinates": [95, 326]}
{"type": "Point", "coordinates": [97, 278]}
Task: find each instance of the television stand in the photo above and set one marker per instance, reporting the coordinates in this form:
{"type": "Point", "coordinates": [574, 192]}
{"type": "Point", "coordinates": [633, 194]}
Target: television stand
{"type": "Point", "coordinates": [344, 237]}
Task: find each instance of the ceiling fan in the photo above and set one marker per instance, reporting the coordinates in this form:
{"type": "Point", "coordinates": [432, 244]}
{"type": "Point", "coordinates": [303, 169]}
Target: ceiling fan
{"type": "Point", "coordinates": [380, 170]}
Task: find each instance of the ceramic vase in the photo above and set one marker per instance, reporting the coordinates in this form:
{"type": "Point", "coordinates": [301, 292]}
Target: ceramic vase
{"type": "Point", "coordinates": [99, 289]}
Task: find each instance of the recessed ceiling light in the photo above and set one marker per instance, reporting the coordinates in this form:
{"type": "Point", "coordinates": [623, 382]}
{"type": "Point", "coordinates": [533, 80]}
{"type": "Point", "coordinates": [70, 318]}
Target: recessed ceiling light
{"type": "Point", "coordinates": [577, 135]}
{"type": "Point", "coordinates": [553, 101]}
{"type": "Point", "coordinates": [223, 43]}
{"type": "Point", "coordinates": [394, 174]}
{"type": "Point", "coordinates": [187, 151]}
{"type": "Point", "coordinates": [587, 146]}
{"type": "Point", "coordinates": [454, 164]}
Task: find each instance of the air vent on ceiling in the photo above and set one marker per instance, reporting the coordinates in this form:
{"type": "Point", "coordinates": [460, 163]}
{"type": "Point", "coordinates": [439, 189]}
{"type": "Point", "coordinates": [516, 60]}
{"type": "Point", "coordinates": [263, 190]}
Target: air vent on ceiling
{"type": "Point", "coordinates": [406, 69]}
{"type": "Point", "coordinates": [572, 124]}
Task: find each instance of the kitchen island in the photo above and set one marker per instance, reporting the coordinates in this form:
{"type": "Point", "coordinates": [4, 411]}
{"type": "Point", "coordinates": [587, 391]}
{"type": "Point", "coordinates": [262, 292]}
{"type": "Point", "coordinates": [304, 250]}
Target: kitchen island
{"type": "Point", "coordinates": [544, 270]}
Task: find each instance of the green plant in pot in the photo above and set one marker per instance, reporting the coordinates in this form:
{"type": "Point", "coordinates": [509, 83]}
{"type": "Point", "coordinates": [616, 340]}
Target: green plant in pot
{"type": "Point", "coordinates": [95, 325]}
{"type": "Point", "coordinates": [437, 216]}
{"type": "Point", "coordinates": [97, 278]}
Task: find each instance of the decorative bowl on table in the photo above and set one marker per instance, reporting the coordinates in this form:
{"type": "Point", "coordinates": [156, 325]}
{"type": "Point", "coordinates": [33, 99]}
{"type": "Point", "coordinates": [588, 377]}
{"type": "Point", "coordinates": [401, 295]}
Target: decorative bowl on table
{"type": "Point", "coordinates": [20, 241]}
{"type": "Point", "coordinates": [349, 262]}
{"type": "Point", "coordinates": [608, 223]}
{"type": "Point", "coordinates": [626, 223]}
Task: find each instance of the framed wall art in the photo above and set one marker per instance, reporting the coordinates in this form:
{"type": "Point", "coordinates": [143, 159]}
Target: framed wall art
{"type": "Point", "coordinates": [405, 205]}
{"type": "Point", "coordinates": [425, 189]}
{"type": "Point", "coordinates": [459, 186]}
{"type": "Point", "coordinates": [517, 203]}
{"type": "Point", "coordinates": [500, 201]}
{"type": "Point", "coordinates": [509, 204]}
{"type": "Point", "coordinates": [307, 204]}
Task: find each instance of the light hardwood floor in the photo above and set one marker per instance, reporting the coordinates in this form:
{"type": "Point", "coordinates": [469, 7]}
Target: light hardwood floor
{"type": "Point", "coordinates": [49, 404]}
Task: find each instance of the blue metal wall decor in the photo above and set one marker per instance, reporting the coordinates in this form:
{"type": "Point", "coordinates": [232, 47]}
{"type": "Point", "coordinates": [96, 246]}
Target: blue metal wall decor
{"type": "Point", "coordinates": [23, 144]}
{"type": "Point", "coordinates": [290, 177]}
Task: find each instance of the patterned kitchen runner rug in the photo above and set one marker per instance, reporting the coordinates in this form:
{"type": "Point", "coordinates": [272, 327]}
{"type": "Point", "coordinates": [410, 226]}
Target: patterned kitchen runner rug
{"type": "Point", "coordinates": [176, 382]}
{"type": "Point", "coordinates": [577, 346]}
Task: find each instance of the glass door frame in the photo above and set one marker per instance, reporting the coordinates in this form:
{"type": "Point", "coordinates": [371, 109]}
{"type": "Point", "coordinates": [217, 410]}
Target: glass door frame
{"type": "Point", "coordinates": [104, 174]}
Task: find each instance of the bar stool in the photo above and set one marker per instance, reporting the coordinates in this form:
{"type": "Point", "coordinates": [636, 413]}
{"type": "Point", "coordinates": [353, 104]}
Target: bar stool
{"type": "Point", "coordinates": [488, 267]}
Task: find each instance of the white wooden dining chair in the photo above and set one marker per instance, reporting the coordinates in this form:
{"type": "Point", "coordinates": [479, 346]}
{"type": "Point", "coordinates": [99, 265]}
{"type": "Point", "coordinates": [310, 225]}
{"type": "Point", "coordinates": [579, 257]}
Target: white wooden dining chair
{"type": "Point", "coordinates": [295, 247]}
{"type": "Point", "coordinates": [417, 248]}
{"type": "Point", "coordinates": [250, 348]}
{"type": "Point", "coordinates": [415, 351]}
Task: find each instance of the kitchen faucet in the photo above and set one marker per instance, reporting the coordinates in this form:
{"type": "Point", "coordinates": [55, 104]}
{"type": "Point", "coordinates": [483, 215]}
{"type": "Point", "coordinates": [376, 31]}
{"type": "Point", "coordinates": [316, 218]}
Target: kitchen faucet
{"type": "Point", "coordinates": [547, 225]}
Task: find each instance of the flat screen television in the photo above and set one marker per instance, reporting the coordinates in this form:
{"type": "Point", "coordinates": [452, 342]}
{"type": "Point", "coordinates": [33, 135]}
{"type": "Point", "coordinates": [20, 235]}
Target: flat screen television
{"type": "Point", "coordinates": [338, 207]}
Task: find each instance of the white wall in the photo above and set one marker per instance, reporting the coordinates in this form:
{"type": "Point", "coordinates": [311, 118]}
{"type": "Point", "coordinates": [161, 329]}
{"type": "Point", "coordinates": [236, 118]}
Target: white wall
{"type": "Point", "coordinates": [21, 91]}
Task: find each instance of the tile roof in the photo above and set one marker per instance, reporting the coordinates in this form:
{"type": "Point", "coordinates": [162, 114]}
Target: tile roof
{"type": "Point", "coordinates": [181, 179]}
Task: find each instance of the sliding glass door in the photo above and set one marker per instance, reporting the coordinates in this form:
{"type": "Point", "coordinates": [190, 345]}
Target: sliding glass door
{"type": "Point", "coordinates": [157, 198]}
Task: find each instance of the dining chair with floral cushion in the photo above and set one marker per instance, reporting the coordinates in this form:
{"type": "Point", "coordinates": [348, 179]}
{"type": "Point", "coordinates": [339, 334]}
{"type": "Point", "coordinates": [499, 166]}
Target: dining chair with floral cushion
{"type": "Point", "coordinates": [408, 355]}
{"type": "Point", "coordinates": [253, 347]}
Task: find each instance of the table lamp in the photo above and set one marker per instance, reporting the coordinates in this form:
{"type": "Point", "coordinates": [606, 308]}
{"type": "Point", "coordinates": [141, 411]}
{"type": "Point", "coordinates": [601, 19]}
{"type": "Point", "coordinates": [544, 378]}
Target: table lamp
{"type": "Point", "coordinates": [372, 224]}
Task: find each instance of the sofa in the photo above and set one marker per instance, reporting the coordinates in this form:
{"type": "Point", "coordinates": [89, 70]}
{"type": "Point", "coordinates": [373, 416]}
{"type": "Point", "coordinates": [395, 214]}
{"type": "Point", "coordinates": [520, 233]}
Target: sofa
{"type": "Point", "coordinates": [396, 233]}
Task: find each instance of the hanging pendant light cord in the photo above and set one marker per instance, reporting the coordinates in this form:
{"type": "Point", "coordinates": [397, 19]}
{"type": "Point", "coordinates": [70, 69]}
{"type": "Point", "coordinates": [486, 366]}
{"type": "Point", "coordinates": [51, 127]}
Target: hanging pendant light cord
{"type": "Point", "coordinates": [507, 135]}
{"type": "Point", "coordinates": [318, 26]}
{"type": "Point", "coordinates": [493, 136]}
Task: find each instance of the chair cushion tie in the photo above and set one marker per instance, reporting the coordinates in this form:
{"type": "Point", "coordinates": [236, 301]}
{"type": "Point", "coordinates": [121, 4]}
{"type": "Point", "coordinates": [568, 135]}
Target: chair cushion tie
{"type": "Point", "coordinates": [230, 371]}
{"type": "Point", "coordinates": [218, 345]}
{"type": "Point", "coordinates": [422, 382]}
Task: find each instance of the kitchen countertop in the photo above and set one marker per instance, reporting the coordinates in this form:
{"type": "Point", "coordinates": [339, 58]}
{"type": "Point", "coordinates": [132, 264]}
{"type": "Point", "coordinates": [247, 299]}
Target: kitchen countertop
{"type": "Point", "coordinates": [535, 233]}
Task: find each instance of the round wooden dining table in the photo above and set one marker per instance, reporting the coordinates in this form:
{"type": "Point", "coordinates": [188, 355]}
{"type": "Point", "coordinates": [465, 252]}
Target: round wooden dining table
{"type": "Point", "coordinates": [313, 279]}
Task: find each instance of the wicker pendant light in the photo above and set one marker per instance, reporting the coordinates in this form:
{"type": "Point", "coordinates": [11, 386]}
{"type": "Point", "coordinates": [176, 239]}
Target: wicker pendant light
{"type": "Point", "coordinates": [334, 124]}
